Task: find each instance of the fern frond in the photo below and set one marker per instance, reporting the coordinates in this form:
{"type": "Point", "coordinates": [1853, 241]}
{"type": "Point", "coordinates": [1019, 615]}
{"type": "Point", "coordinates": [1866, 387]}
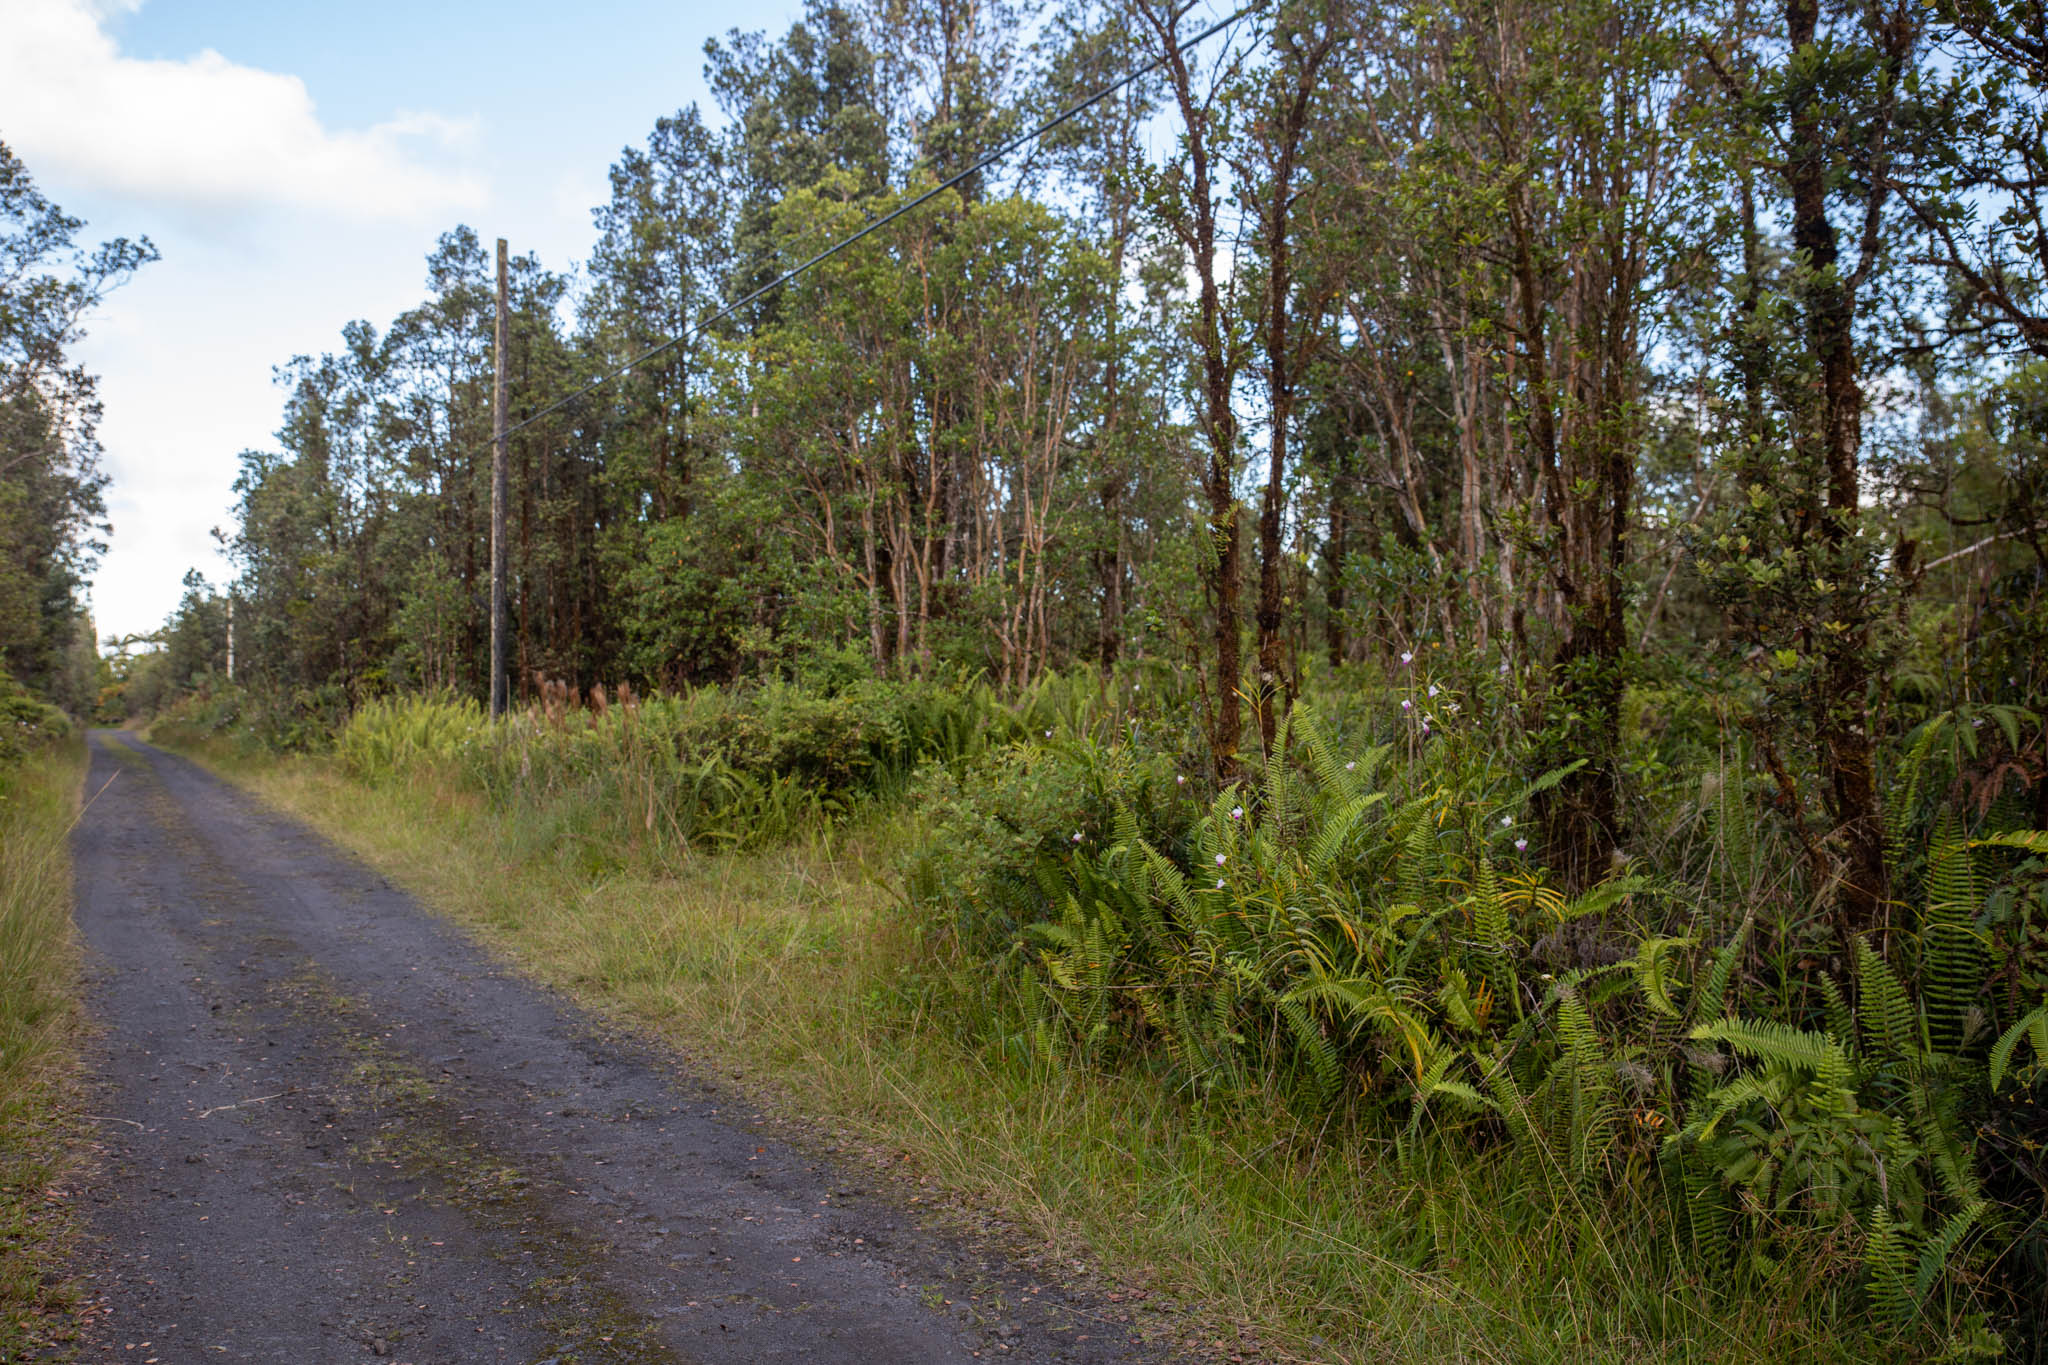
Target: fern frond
{"type": "Point", "coordinates": [2032, 840]}
{"type": "Point", "coordinates": [1768, 1041]}
{"type": "Point", "coordinates": [1650, 975]}
{"type": "Point", "coordinates": [1332, 777]}
{"type": "Point", "coordinates": [1418, 854]}
{"type": "Point", "coordinates": [1941, 1247]}
{"type": "Point", "coordinates": [1710, 1000]}
{"type": "Point", "coordinates": [1315, 1048]}
{"type": "Point", "coordinates": [1539, 786]}
{"type": "Point", "coordinates": [1602, 897]}
{"type": "Point", "coordinates": [1886, 1269]}
{"type": "Point", "coordinates": [1841, 1023]}
{"type": "Point", "coordinates": [2032, 1026]}
{"type": "Point", "coordinates": [1335, 829]}
{"type": "Point", "coordinates": [1365, 1003]}
{"type": "Point", "coordinates": [1905, 783]}
{"type": "Point", "coordinates": [1890, 1024]}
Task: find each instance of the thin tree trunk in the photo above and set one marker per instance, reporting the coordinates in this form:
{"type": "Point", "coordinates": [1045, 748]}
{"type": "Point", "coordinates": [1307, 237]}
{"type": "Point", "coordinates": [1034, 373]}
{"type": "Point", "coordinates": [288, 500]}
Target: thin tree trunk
{"type": "Point", "coordinates": [1846, 749]}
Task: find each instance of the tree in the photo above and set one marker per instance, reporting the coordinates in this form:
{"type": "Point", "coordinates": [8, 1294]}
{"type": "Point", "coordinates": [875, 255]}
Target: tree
{"type": "Point", "coordinates": [1187, 201]}
{"type": "Point", "coordinates": [1274, 166]}
{"type": "Point", "coordinates": [1797, 565]}
{"type": "Point", "coordinates": [52, 506]}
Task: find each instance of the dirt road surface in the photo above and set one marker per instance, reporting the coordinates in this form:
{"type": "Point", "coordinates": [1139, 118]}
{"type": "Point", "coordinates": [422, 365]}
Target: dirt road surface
{"type": "Point", "coordinates": [335, 1130]}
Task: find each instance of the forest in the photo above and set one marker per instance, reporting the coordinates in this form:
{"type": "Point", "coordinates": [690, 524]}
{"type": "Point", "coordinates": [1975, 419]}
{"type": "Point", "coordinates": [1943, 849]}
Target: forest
{"type": "Point", "coordinates": [1473, 572]}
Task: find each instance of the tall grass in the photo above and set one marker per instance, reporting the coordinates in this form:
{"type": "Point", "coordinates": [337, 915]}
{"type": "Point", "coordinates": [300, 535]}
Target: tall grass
{"type": "Point", "coordinates": [663, 779]}
{"type": "Point", "coordinates": [1327, 1050]}
{"type": "Point", "coordinates": [1280, 1232]}
{"type": "Point", "coordinates": [38, 803]}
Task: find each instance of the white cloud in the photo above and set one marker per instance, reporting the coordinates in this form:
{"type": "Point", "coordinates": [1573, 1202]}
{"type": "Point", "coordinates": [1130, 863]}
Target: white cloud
{"type": "Point", "coordinates": [206, 131]}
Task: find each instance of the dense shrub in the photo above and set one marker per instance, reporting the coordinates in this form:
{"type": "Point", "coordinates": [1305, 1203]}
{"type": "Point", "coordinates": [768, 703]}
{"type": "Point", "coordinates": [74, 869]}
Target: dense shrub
{"type": "Point", "coordinates": [1358, 928]}
{"type": "Point", "coordinates": [26, 722]}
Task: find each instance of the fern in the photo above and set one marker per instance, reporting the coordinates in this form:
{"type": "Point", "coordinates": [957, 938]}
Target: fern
{"type": "Point", "coordinates": [1906, 785]}
{"type": "Point", "coordinates": [1336, 829]}
{"type": "Point", "coordinates": [1368, 1004]}
{"type": "Point", "coordinates": [1734, 830]}
{"type": "Point", "coordinates": [1602, 898]}
{"type": "Point", "coordinates": [1891, 1026]}
{"type": "Point", "coordinates": [1650, 973]}
{"type": "Point", "coordinates": [1709, 1002]}
{"type": "Point", "coordinates": [1418, 854]}
{"type": "Point", "coordinates": [1538, 787]}
{"type": "Point", "coordinates": [1887, 1267]}
{"type": "Point", "coordinates": [1315, 1047]}
{"type": "Point", "coordinates": [1941, 1247]}
{"type": "Point", "coordinates": [2033, 1027]}
{"type": "Point", "coordinates": [2032, 840]}
{"type": "Point", "coordinates": [1841, 1023]}
{"type": "Point", "coordinates": [1782, 1045]}
{"type": "Point", "coordinates": [1952, 955]}
{"type": "Point", "coordinates": [1584, 1078]}
{"type": "Point", "coordinates": [1707, 1212]}
{"type": "Point", "coordinates": [1491, 928]}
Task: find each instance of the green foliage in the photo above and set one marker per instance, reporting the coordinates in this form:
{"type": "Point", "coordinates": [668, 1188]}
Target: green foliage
{"type": "Point", "coordinates": [26, 722]}
{"type": "Point", "coordinates": [1350, 936]}
{"type": "Point", "coordinates": [39, 791]}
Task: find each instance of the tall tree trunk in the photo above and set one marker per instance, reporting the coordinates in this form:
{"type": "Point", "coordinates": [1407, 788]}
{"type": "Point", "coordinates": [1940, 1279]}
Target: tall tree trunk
{"type": "Point", "coordinates": [1304, 54]}
{"type": "Point", "coordinates": [1194, 224]}
{"type": "Point", "coordinates": [1846, 749]}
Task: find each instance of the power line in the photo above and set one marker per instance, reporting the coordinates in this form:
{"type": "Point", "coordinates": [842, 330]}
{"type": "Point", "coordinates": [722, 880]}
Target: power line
{"type": "Point", "coordinates": [828, 253]}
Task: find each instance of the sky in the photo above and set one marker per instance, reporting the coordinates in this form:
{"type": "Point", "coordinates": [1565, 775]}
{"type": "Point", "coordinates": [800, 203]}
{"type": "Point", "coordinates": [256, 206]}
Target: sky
{"type": "Point", "coordinates": [294, 163]}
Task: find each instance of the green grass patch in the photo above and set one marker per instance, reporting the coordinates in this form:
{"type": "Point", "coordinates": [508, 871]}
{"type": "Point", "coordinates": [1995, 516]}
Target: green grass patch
{"type": "Point", "coordinates": [39, 793]}
{"type": "Point", "coordinates": [796, 972]}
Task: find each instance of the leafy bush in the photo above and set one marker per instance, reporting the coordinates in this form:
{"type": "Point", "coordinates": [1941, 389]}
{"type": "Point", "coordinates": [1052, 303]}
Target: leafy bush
{"type": "Point", "coordinates": [1358, 929]}
{"type": "Point", "coordinates": [253, 720]}
{"type": "Point", "coordinates": [26, 721]}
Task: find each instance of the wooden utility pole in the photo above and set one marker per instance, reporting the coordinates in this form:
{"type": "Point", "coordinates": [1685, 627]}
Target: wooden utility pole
{"type": "Point", "coordinates": [500, 692]}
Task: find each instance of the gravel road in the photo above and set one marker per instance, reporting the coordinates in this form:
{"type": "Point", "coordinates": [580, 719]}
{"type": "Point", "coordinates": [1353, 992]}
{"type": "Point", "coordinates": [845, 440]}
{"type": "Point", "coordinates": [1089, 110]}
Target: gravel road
{"type": "Point", "coordinates": [333, 1129]}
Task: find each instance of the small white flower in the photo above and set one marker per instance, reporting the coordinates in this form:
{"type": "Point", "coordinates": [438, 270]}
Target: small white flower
{"type": "Point", "coordinates": [1237, 812]}
{"type": "Point", "coordinates": [1432, 689]}
{"type": "Point", "coordinates": [1407, 705]}
{"type": "Point", "coordinates": [1077, 836]}
{"type": "Point", "coordinates": [1407, 657]}
{"type": "Point", "coordinates": [1352, 764]}
{"type": "Point", "coordinates": [1219, 860]}
{"type": "Point", "coordinates": [1521, 845]}
{"type": "Point", "coordinates": [1219, 883]}
{"type": "Point", "coordinates": [1048, 734]}
{"type": "Point", "coordinates": [1506, 820]}
{"type": "Point", "coordinates": [1180, 779]}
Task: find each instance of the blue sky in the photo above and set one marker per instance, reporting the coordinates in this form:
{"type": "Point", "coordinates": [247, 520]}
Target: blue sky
{"type": "Point", "coordinates": [295, 163]}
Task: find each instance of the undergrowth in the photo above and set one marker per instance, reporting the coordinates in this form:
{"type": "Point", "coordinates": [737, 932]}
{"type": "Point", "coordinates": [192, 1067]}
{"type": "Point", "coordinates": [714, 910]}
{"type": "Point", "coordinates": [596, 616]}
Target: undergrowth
{"type": "Point", "coordinates": [1324, 1051]}
{"type": "Point", "coordinates": [40, 761]}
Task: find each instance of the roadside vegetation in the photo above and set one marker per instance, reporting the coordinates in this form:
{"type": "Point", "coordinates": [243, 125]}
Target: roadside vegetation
{"type": "Point", "coordinates": [1395, 681]}
{"type": "Point", "coordinates": [40, 763]}
{"type": "Point", "coordinates": [1328, 1054]}
{"type": "Point", "coordinates": [52, 532]}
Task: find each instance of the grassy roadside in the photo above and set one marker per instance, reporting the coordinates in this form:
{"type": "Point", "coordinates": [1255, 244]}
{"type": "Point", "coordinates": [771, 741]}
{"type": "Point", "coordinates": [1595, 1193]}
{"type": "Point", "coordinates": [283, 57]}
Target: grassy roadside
{"type": "Point", "coordinates": [787, 968]}
{"type": "Point", "coordinates": [39, 797]}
